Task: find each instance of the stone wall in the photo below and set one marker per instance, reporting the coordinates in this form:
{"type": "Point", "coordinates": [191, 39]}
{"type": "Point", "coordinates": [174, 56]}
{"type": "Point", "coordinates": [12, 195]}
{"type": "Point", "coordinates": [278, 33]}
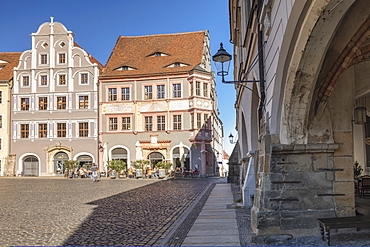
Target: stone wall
{"type": "Point", "coordinates": [300, 187]}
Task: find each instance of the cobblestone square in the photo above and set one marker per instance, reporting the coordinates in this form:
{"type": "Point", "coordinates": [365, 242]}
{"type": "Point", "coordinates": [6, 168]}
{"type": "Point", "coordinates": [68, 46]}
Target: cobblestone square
{"type": "Point", "coordinates": [59, 211]}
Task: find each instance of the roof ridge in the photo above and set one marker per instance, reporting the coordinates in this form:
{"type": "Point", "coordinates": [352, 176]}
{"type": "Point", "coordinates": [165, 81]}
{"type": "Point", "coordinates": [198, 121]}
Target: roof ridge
{"type": "Point", "coordinates": [164, 34]}
{"type": "Point", "coordinates": [11, 52]}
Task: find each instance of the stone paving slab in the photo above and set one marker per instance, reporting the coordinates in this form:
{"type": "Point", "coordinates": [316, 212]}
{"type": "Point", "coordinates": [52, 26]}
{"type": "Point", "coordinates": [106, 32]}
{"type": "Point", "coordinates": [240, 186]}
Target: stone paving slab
{"type": "Point", "coordinates": [216, 225]}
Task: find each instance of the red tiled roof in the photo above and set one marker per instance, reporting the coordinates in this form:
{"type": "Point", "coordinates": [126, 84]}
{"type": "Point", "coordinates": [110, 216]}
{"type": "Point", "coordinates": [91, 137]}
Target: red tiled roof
{"type": "Point", "coordinates": [12, 59]}
{"type": "Point", "coordinates": [134, 52]}
{"type": "Point", "coordinates": [226, 156]}
{"type": "Point", "coordinates": [92, 59]}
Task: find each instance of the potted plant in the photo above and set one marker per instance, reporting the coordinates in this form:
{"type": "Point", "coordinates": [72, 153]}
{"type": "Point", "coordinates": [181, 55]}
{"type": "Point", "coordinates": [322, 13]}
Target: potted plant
{"type": "Point", "coordinates": [357, 170]}
{"type": "Point", "coordinates": [117, 166]}
{"type": "Point", "coordinates": [140, 166]}
{"type": "Point", "coordinates": [164, 165]}
{"type": "Point", "coordinates": [70, 167]}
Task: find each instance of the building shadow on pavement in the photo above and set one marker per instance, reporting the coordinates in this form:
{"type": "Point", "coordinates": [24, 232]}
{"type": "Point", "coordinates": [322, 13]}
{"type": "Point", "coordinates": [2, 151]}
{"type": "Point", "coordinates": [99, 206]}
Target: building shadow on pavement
{"type": "Point", "coordinates": [137, 217]}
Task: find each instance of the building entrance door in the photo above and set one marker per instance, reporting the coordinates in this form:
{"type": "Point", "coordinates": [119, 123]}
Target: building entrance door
{"type": "Point", "coordinates": [30, 166]}
{"type": "Point", "coordinates": [154, 158]}
{"type": "Point", "coordinates": [59, 159]}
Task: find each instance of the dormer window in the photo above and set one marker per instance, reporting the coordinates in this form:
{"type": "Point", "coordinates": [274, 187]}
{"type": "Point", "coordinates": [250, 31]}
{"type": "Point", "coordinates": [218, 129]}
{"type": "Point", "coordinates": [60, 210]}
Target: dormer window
{"type": "Point", "coordinates": [177, 64]}
{"type": "Point", "coordinates": [158, 54]}
{"type": "Point", "coordinates": [2, 66]}
{"type": "Point", "coordinates": [125, 68]}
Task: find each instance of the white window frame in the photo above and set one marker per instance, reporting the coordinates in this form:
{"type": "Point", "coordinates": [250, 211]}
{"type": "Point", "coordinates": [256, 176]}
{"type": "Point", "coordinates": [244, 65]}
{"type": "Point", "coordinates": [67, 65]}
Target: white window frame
{"type": "Point", "coordinates": [58, 78]}
{"type": "Point", "coordinates": [80, 78]}
{"type": "Point", "coordinates": [56, 102]}
{"type": "Point", "coordinates": [65, 58]}
{"type": "Point", "coordinates": [78, 101]}
{"type": "Point", "coordinates": [47, 59]}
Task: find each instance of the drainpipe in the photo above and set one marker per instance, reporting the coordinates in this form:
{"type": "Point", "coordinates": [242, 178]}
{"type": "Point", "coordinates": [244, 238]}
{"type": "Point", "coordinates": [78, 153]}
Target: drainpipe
{"type": "Point", "coordinates": [261, 64]}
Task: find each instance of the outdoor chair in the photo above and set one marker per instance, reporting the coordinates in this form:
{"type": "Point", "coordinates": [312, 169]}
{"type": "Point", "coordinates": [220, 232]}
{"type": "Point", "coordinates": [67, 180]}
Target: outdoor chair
{"type": "Point", "coordinates": [365, 185]}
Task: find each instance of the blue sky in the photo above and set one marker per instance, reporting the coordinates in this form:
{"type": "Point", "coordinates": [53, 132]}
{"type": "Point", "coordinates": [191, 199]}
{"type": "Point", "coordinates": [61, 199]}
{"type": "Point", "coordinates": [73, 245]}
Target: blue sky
{"type": "Point", "coordinates": [97, 25]}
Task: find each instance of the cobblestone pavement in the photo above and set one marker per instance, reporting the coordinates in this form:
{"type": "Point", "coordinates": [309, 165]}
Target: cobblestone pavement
{"type": "Point", "coordinates": [59, 211]}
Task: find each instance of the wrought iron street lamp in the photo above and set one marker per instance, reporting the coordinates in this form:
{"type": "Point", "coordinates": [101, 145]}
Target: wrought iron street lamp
{"type": "Point", "coordinates": [231, 139]}
{"type": "Point", "coordinates": [222, 62]}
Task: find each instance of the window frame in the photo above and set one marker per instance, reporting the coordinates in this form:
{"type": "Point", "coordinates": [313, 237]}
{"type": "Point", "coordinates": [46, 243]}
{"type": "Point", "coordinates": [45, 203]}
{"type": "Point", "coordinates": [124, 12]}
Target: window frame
{"type": "Point", "coordinates": [84, 80]}
{"type": "Point", "coordinates": [148, 125]}
{"type": "Point", "coordinates": [197, 88]}
{"type": "Point", "coordinates": [43, 104]}
{"type": "Point", "coordinates": [44, 60]}
{"type": "Point", "coordinates": [125, 125]}
{"type": "Point", "coordinates": [85, 104]}
{"type": "Point", "coordinates": [83, 128]}
{"type": "Point", "coordinates": [112, 124]}
{"type": "Point", "coordinates": [59, 80]}
{"type": "Point", "coordinates": [177, 122]}
{"type": "Point", "coordinates": [24, 132]}
{"type": "Point", "coordinates": [161, 125]}
{"type": "Point", "coordinates": [61, 131]}
{"type": "Point", "coordinates": [205, 90]}
{"type": "Point", "coordinates": [161, 94]}
{"type": "Point", "coordinates": [57, 105]}
{"type": "Point", "coordinates": [148, 95]}
{"type": "Point", "coordinates": [62, 58]}
{"type": "Point", "coordinates": [176, 90]}
{"type": "Point", "coordinates": [26, 105]}
{"type": "Point", "coordinates": [125, 95]}
{"type": "Point", "coordinates": [42, 133]}
{"type": "Point", "coordinates": [110, 96]}
{"type": "Point", "coordinates": [44, 80]}
{"type": "Point", "coordinates": [23, 81]}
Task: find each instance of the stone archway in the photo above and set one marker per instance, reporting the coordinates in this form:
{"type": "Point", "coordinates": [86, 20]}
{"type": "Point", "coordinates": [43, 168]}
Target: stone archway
{"type": "Point", "coordinates": [51, 153]}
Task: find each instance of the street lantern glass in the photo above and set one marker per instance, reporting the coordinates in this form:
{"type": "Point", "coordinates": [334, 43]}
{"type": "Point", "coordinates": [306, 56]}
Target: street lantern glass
{"type": "Point", "coordinates": [231, 138]}
{"type": "Point", "coordinates": [222, 61]}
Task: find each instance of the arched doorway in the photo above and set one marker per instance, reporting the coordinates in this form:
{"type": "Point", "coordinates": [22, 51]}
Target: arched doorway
{"type": "Point", "coordinates": [59, 159]}
{"type": "Point", "coordinates": [30, 166]}
{"type": "Point", "coordinates": [154, 158]}
{"type": "Point", "coordinates": [84, 161]}
{"type": "Point", "coordinates": [119, 154]}
{"type": "Point", "coordinates": [177, 159]}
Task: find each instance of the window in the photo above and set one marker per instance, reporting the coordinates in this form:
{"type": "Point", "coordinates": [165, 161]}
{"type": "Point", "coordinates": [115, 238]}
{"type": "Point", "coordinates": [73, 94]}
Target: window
{"type": "Point", "coordinates": [1, 121]}
{"type": "Point", "coordinates": [177, 90]}
{"type": "Point", "coordinates": [205, 116]}
{"type": "Point", "coordinates": [61, 129]}
{"type": "Point", "coordinates": [25, 104]}
{"type": "Point", "coordinates": [125, 93]}
{"type": "Point", "coordinates": [112, 94]}
{"type": "Point", "coordinates": [199, 120]}
{"type": "Point", "coordinates": [43, 103]}
{"type": "Point", "coordinates": [84, 78]}
{"type": "Point", "coordinates": [160, 91]}
{"type": "Point", "coordinates": [25, 81]}
{"type": "Point", "coordinates": [83, 102]}
{"type": "Point", "coordinates": [1, 97]}
{"type": "Point", "coordinates": [62, 79]}
{"type": "Point", "coordinates": [177, 122]}
{"type": "Point", "coordinates": [83, 129]}
{"type": "Point", "coordinates": [113, 123]}
{"type": "Point", "coordinates": [44, 80]}
{"type": "Point", "coordinates": [205, 89]}
{"type": "Point", "coordinates": [61, 102]}
{"type": "Point", "coordinates": [25, 130]}
{"type": "Point", "coordinates": [197, 88]}
{"type": "Point", "coordinates": [148, 92]}
{"type": "Point", "coordinates": [44, 59]}
{"type": "Point", "coordinates": [161, 123]}
{"type": "Point", "coordinates": [62, 58]}
{"type": "Point", "coordinates": [192, 121]}
{"type": "Point", "coordinates": [126, 125]}
{"type": "Point", "coordinates": [149, 123]}
{"type": "Point", "coordinates": [43, 130]}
